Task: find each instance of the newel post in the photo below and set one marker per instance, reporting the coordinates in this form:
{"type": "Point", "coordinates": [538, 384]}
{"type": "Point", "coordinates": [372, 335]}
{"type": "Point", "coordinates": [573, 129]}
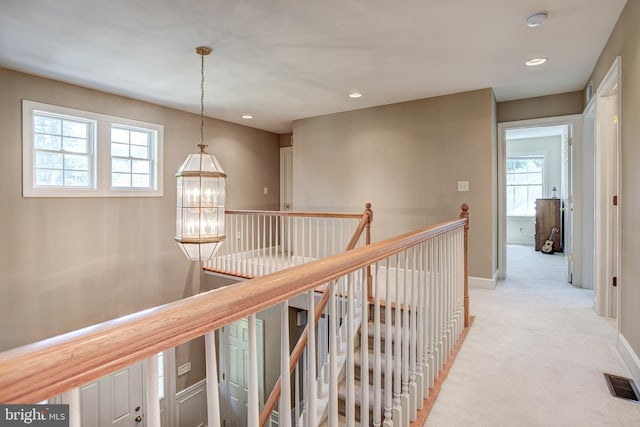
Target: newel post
{"type": "Point", "coordinates": [465, 215]}
{"type": "Point", "coordinates": [369, 213]}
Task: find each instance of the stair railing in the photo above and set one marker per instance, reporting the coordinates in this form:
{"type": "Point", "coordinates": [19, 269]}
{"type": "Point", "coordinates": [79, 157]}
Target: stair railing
{"type": "Point", "coordinates": [417, 277]}
{"type": "Point", "coordinates": [263, 242]}
{"type": "Point", "coordinates": [308, 335]}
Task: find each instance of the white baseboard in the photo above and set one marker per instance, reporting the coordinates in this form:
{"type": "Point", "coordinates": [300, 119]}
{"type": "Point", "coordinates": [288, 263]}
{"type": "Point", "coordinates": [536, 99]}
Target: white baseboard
{"type": "Point", "coordinates": [630, 357]}
{"type": "Point", "coordinates": [482, 283]}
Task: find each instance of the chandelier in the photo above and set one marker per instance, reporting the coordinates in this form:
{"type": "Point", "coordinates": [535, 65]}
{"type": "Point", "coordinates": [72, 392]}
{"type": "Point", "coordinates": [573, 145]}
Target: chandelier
{"type": "Point", "coordinates": [200, 194]}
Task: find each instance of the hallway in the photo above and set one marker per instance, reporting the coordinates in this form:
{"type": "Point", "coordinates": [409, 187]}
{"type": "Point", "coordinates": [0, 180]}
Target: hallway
{"type": "Point", "coordinates": [534, 355]}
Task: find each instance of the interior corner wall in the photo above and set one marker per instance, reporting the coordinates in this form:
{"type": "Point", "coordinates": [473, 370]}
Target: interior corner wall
{"type": "Point", "coordinates": [562, 104]}
{"type": "Point", "coordinates": [625, 42]}
{"type": "Point", "coordinates": [406, 159]}
{"type": "Point", "coordinates": [67, 263]}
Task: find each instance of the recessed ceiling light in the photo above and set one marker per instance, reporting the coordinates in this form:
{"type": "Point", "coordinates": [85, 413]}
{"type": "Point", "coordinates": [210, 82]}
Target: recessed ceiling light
{"type": "Point", "coordinates": [535, 61]}
{"type": "Point", "coordinates": [536, 19]}
{"type": "Point", "coordinates": [247, 116]}
{"type": "Point", "coordinates": [355, 95]}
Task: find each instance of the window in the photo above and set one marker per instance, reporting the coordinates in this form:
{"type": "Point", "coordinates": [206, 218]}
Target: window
{"type": "Point", "coordinates": [74, 153]}
{"type": "Point", "coordinates": [131, 164]}
{"type": "Point", "coordinates": [524, 184]}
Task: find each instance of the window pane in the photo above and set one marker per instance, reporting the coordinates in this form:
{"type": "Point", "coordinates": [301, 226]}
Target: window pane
{"type": "Point", "coordinates": [140, 138]}
{"type": "Point", "coordinates": [120, 150]}
{"type": "Point", "coordinates": [535, 192]}
{"type": "Point", "coordinates": [140, 166]}
{"type": "Point", "coordinates": [46, 142]}
{"type": "Point", "coordinates": [140, 181]}
{"type": "Point", "coordinates": [76, 162]}
{"type": "Point", "coordinates": [534, 178]}
{"type": "Point", "coordinates": [75, 145]}
{"type": "Point", "coordinates": [74, 129]}
{"type": "Point", "coordinates": [139, 152]}
{"type": "Point", "coordinates": [120, 165]}
{"type": "Point", "coordinates": [120, 180]}
{"type": "Point", "coordinates": [49, 160]}
{"type": "Point", "coordinates": [119, 135]}
{"type": "Point", "coordinates": [76, 179]}
{"type": "Point", "coordinates": [50, 125]}
{"type": "Point", "coordinates": [519, 178]}
{"type": "Point", "coordinates": [48, 177]}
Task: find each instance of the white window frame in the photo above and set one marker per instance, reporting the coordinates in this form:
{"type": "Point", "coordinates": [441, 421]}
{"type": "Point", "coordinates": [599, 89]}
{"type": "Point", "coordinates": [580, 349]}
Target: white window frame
{"type": "Point", "coordinates": [100, 152]}
{"type": "Point", "coordinates": [535, 155]}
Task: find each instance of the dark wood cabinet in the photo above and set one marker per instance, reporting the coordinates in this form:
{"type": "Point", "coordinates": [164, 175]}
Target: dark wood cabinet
{"type": "Point", "coordinates": [547, 217]}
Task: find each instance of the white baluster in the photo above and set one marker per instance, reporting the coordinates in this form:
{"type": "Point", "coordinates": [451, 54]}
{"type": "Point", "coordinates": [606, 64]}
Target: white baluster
{"type": "Point", "coordinates": [405, 340]}
{"type": "Point", "coordinates": [311, 368]}
{"type": "Point", "coordinates": [72, 398]}
{"type": "Point", "coordinates": [425, 320]}
{"type": "Point", "coordinates": [333, 357]}
{"type": "Point", "coordinates": [377, 362]}
{"type": "Point", "coordinates": [420, 327]}
{"type": "Point", "coordinates": [296, 392]}
{"type": "Point", "coordinates": [350, 380]}
{"type": "Point", "coordinates": [413, 350]}
{"type": "Point", "coordinates": [397, 371]}
{"type": "Point", "coordinates": [253, 410]}
{"type": "Point", "coordinates": [431, 350]}
{"type": "Point", "coordinates": [364, 349]}
{"type": "Point", "coordinates": [213, 399]}
{"type": "Point", "coordinates": [388, 358]}
{"type": "Point", "coordinates": [151, 398]}
{"type": "Point", "coordinates": [285, 375]}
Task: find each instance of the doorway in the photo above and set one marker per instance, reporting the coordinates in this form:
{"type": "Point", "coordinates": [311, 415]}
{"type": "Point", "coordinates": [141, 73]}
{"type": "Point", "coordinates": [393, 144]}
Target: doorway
{"type": "Point", "coordinates": [535, 160]}
{"type": "Point", "coordinates": [234, 355]}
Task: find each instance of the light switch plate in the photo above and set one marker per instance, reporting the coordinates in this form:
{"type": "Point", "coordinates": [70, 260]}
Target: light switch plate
{"type": "Point", "coordinates": [463, 185]}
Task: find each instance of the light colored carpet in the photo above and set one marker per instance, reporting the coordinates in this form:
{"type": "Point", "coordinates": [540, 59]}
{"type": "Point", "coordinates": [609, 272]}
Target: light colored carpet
{"type": "Point", "coordinates": [535, 355]}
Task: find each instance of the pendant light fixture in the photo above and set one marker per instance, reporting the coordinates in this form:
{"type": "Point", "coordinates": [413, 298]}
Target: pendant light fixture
{"type": "Point", "coordinates": [201, 194]}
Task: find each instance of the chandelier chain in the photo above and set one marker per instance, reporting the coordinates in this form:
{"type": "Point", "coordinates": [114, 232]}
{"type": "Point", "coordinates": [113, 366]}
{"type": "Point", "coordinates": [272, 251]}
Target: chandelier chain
{"type": "Point", "coordinates": [201, 99]}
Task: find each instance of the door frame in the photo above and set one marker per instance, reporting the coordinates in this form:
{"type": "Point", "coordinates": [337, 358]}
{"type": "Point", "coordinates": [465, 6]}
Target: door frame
{"type": "Point", "coordinates": [574, 121]}
{"type": "Point", "coordinates": [608, 184]}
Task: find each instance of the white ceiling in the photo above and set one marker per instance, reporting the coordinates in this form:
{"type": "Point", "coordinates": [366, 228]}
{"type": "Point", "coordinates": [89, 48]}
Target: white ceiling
{"type": "Point", "coordinates": [283, 60]}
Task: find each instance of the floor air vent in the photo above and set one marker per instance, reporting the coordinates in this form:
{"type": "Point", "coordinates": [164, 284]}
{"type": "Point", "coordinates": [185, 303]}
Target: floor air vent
{"type": "Point", "coordinates": [622, 387]}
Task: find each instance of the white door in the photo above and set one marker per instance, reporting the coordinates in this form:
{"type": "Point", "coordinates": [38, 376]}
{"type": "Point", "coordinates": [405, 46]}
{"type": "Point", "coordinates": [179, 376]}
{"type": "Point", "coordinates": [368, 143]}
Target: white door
{"type": "Point", "coordinates": [235, 352]}
{"type": "Point", "coordinates": [286, 196]}
{"type": "Point", "coordinates": [286, 178]}
{"type": "Point", "coordinates": [114, 400]}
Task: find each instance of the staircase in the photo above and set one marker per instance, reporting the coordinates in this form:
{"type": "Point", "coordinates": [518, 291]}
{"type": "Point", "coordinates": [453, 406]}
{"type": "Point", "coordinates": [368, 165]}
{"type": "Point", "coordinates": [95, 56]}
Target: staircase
{"type": "Point", "coordinates": [368, 375]}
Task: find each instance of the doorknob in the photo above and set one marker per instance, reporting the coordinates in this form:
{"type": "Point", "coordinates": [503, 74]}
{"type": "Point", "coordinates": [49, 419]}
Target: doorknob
{"type": "Point", "coordinates": [138, 419]}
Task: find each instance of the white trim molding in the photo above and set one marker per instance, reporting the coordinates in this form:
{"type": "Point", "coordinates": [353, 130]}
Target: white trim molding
{"type": "Point", "coordinates": [630, 358]}
{"type": "Point", "coordinates": [482, 282]}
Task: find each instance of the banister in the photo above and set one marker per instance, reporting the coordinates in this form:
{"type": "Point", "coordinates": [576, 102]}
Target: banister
{"type": "Point", "coordinates": [300, 214]}
{"type": "Point", "coordinates": [47, 368]}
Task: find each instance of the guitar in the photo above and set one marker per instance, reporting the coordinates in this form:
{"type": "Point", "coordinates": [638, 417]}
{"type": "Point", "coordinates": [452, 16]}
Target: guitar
{"type": "Point", "coordinates": [547, 248]}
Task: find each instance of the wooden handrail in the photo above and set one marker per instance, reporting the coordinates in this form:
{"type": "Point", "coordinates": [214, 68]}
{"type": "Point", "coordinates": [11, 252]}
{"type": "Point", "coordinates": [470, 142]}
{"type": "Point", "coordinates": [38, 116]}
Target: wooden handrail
{"type": "Point", "coordinates": [47, 368]}
{"type": "Point", "coordinates": [300, 214]}
{"type": "Point", "coordinates": [296, 353]}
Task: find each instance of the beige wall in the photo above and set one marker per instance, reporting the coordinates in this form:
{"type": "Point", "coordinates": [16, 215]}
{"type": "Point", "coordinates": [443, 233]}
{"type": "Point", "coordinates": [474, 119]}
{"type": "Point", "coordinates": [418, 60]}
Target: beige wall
{"type": "Point", "coordinates": [625, 41]}
{"type": "Point", "coordinates": [406, 160]}
{"type": "Point", "coordinates": [286, 140]}
{"type": "Point", "coordinates": [562, 104]}
{"type": "Point", "coordinates": [66, 263]}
